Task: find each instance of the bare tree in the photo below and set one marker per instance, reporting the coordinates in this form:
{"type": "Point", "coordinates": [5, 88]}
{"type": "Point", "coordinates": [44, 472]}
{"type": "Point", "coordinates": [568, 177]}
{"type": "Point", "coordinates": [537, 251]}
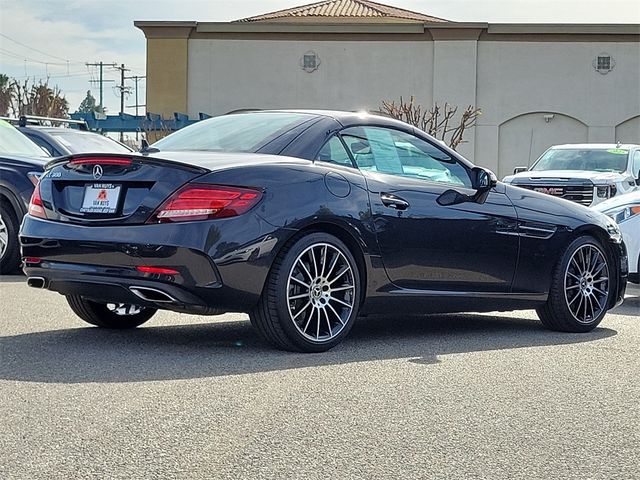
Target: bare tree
{"type": "Point", "coordinates": [38, 99]}
{"type": "Point", "coordinates": [439, 122]}
{"type": "Point", "coordinates": [6, 94]}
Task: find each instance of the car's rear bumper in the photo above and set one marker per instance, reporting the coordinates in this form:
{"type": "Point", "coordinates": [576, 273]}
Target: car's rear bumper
{"type": "Point", "coordinates": [219, 269]}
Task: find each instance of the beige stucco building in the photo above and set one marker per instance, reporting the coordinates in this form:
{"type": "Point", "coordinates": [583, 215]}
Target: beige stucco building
{"type": "Point", "coordinates": [536, 84]}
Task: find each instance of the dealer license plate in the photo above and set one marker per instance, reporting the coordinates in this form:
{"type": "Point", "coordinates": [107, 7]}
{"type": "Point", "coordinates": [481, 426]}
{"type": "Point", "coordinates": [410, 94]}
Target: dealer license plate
{"type": "Point", "coordinates": [100, 198]}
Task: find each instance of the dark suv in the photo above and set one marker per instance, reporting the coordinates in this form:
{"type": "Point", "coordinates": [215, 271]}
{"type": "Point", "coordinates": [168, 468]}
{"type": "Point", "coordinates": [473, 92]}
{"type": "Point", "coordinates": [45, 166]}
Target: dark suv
{"type": "Point", "coordinates": [21, 164]}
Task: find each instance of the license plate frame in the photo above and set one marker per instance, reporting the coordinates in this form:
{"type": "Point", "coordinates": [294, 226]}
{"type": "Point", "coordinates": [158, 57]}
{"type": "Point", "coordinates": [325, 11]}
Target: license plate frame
{"type": "Point", "coordinates": [101, 198]}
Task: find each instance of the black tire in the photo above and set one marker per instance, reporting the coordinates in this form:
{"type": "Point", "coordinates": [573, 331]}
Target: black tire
{"type": "Point", "coordinates": [556, 314]}
{"type": "Point", "coordinates": [100, 315]}
{"type": "Point", "coordinates": [273, 317]}
{"type": "Point", "coordinates": [10, 255]}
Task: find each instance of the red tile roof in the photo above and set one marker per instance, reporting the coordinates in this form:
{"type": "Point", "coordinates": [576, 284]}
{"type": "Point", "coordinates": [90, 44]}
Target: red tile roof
{"type": "Point", "coordinates": [345, 9]}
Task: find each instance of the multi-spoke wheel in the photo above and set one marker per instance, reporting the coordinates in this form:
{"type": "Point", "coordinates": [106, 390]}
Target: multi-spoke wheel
{"type": "Point", "coordinates": [579, 294]}
{"type": "Point", "coordinates": [9, 247]}
{"type": "Point", "coordinates": [586, 283]}
{"type": "Point", "coordinates": [109, 315]}
{"type": "Point", "coordinates": [312, 295]}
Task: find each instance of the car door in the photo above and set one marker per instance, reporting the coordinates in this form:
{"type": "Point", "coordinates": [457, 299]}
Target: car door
{"type": "Point", "coordinates": [427, 243]}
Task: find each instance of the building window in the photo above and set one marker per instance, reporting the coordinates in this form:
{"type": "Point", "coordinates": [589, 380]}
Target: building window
{"type": "Point", "coordinates": [604, 63]}
{"type": "Point", "coordinates": [310, 62]}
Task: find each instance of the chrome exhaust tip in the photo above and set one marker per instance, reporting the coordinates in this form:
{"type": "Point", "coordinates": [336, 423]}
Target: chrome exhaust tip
{"type": "Point", "coordinates": [153, 295]}
{"type": "Point", "coordinates": [37, 282]}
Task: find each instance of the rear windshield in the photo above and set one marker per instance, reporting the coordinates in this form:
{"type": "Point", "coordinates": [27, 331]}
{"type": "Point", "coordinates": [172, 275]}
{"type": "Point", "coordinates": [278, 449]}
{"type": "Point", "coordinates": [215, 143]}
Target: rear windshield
{"type": "Point", "coordinates": [13, 142]}
{"type": "Point", "coordinates": [77, 142]}
{"type": "Point", "coordinates": [244, 132]}
{"type": "Point", "coordinates": [601, 160]}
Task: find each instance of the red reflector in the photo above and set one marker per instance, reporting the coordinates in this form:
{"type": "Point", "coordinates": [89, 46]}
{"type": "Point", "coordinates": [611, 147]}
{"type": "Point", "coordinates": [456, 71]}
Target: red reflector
{"type": "Point", "coordinates": [32, 260]}
{"type": "Point", "coordinates": [101, 161]}
{"type": "Point", "coordinates": [36, 208]}
{"type": "Point", "coordinates": [165, 271]}
{"type": "Point", "coordinates": [202, 202]}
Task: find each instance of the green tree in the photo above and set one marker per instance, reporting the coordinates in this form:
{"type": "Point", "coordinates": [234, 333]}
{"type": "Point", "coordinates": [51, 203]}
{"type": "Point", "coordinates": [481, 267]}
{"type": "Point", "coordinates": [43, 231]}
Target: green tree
{"type": "Point", "coordinates": [89, 104]}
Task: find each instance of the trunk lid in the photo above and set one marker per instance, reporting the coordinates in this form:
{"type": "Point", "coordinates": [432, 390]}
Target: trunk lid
{"type": "Point", "coordinates": [102, 189]}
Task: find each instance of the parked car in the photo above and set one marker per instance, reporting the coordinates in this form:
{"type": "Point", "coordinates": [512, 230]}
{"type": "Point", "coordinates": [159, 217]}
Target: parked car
{"type": "Point", "coordinates": [59, 141]}
{"type": "Point", "coordinates": [49, 134]}
{"type": "Point", "coordinates": [625, 210]}
{"type": "Point", "coordinates": [584, 173]}
{"type": "Point", "coordinates": [21, 163]}
{"type": "Point", "coordinates": [343, 213]}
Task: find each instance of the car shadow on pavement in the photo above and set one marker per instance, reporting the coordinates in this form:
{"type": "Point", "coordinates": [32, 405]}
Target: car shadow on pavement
{"type": "Point", "coordinates": [232, 348]}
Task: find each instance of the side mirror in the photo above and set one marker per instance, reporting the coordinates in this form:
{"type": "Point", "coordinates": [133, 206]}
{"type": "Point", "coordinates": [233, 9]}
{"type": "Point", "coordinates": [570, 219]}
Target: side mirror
{"type": "Point", "coordinates": [518, 170]}
{"type": "Point", "coordinates": [484, 179]}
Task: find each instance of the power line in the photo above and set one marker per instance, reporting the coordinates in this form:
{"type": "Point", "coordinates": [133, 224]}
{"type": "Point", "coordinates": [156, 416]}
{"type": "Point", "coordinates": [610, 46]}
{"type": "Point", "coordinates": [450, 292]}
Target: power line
{"type": "Point", "coordinates": [70, 74]}
{"type": "Point", "coordinates": [17, 56]}
{"type": "Point", "coordinates": [101, 81]}
{"type": "Point", "coordinates": [34, 49]}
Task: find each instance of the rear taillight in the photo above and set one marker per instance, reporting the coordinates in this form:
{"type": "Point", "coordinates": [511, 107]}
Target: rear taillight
{"type": "Point", "coordinates": [202, 202]}
{"type": "Point", "coordinates": [158, 270]}
{"type": "Point", "coordinates": [36, 208]}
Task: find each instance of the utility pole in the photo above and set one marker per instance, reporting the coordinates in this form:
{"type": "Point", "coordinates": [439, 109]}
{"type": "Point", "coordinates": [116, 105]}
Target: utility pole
{"type": "Point", "coordinates": [101, 81]}
{"type": "Point", "coordinates": [123, 90]}
{"type": "Point", "coordinates": [135, 78]}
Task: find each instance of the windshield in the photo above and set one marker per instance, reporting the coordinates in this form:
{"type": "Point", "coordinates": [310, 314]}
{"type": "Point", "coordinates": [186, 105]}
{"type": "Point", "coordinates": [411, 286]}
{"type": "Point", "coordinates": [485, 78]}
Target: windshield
{"type": "Point", "coordinates": [77, 142]}
{"type": "Point", "coordinates": [246, 132]}
{"type": "Point", "coordinates": [611, 160]}
{"type": "Point", "coordinates": [13, 142]}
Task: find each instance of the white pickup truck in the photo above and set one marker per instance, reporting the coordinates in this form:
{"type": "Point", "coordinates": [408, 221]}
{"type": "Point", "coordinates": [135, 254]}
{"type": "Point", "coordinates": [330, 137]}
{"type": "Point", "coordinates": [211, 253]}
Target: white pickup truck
{"type": "Point", "coordinates": [587, 173]}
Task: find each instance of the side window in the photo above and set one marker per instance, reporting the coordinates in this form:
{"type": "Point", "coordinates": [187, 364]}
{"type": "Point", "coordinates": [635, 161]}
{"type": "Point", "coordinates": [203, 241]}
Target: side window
{"type": "Point", "coordinates": [333, 152]}
{"type": "Point", "coordinates": [636, 164]}
{"type": "Point", "coordinates": [395, 152]}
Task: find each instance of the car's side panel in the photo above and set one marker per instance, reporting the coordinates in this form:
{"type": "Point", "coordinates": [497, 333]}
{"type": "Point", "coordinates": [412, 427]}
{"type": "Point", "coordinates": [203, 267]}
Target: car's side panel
{"type": "Point", "coordinates": [15, 186]}
{"type": "Point", "coordinates": [546, 226]}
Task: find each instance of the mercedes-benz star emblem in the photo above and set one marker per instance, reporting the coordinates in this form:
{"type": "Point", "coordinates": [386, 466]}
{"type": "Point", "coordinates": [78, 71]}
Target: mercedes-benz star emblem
{"type": "Point", "coordinates": [97, 172]}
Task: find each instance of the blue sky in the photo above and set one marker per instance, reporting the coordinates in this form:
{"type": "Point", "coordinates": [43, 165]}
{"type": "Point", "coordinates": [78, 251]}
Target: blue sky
{"type": "Point", "coordinates": [37, 37]}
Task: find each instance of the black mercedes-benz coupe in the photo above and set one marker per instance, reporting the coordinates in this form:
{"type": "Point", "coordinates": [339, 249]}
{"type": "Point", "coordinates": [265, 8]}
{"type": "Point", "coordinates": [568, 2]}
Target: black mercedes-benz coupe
{"type": "Point", "coordinates": [306, 219]}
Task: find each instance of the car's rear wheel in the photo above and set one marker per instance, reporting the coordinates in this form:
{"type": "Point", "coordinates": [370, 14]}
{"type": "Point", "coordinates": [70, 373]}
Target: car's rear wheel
{"type": "Point", "coordinates": [9, 247]}
{"type": "Point", "coordinates": [580, 288]}
{"type": "Point", "coordinates": [312, 295]}
{"type": "Point", "coordinates": [109, 315]}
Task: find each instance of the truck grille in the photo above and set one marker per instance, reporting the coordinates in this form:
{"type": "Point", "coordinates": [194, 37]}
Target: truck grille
{"type": "Point", "coordinates": [582, 194]}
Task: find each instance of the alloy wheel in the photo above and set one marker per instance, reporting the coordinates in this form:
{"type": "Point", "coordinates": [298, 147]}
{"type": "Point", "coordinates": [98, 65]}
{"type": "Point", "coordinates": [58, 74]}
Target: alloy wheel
{"type": "Point", "coordinates": [321, 292]}
{"type": "Point", "coordinates": [124, 309]}
{"type": "Point", "coordinates": [586, 283]}
{"type": "Point", "coordinates": [4, 237]}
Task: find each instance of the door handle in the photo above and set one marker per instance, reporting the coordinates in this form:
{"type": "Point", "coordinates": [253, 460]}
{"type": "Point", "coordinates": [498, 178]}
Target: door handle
{"type": "Point", "coordinates": [392, 201]}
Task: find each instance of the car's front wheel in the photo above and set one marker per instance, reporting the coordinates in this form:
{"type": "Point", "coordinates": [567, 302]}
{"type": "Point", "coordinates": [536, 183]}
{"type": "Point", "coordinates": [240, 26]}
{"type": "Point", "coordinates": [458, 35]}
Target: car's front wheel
{"type": "Point", "coordinates": [311, 297]}
{"type": "Point", "coordinates": [580, 288]}
{"type": "Point", "coordinates": [109, 315]}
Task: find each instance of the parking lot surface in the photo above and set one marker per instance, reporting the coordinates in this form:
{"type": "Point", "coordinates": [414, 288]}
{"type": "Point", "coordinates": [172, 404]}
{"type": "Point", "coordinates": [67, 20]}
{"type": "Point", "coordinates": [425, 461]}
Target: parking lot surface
{"type": "Point", "coordinates": [446, 396]}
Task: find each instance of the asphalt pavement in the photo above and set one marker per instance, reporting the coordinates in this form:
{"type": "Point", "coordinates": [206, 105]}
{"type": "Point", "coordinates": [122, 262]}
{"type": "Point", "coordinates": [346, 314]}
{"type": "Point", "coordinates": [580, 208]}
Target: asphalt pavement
{"type": "Point", "coordinates": [491, 396]}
